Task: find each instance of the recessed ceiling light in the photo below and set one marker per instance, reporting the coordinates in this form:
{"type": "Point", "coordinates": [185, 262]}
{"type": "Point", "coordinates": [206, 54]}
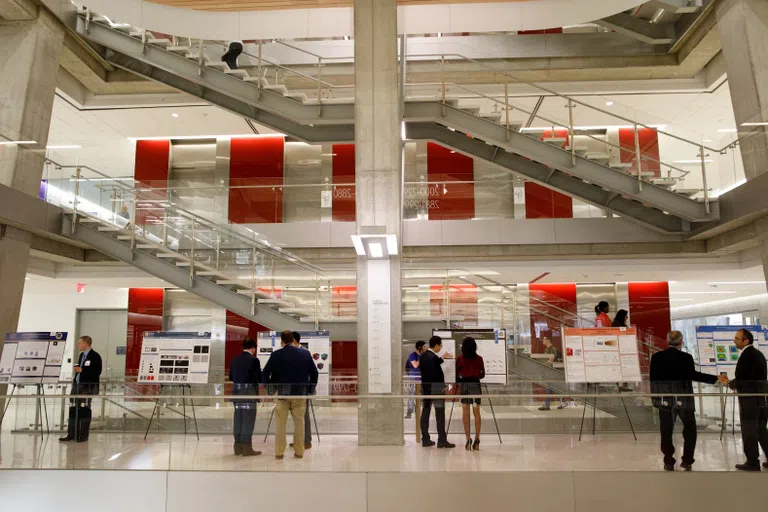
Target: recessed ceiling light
{"type": "Point", "coordinates": [727, 130]}
{"type": "Point", "coordinates": [609, 103]}
{"type": "Point", "coordinates": [174, 115]}
{"type": "Point", "coordinates": [14, 142]}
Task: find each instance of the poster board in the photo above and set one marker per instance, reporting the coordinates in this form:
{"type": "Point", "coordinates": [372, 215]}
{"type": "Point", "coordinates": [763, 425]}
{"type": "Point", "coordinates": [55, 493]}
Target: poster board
{"type": "Point", "coordinates": [32, 357]}
{"type": "Point", "coordinates": [175, 358]}
{"type": "Point", "coordinates": [717, 351]}
{"type": "Point", "coordinates": [596, 355]}
{"type": "Point", "coordinates": [317, 342]}
{"type": "Point", "coordinates": [491, 346]}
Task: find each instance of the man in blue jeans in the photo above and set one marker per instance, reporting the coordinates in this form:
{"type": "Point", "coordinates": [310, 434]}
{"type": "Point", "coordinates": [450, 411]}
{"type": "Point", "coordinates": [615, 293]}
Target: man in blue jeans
{"type": "Point", "coordinates": [413, 375]}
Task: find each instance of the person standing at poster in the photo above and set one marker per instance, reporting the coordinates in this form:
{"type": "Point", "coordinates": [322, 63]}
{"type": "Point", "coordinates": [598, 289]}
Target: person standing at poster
{"type": "Point", "coordinates": [413, 376]}
{"type": "Point", "coordinates": [433, 384]}
{"type": "Point", "coordinates": [601, 314]}
{"type": "Point", "coordinates": [671, 374]}
{"type": "Point", "coordinates": [245, 374]}
{"type": "Point", "coordinates": [751, 375]}
{"type": "Point", "coordinates": [470, 370]}
{"type": "Point", "coordinates": [86, 382]}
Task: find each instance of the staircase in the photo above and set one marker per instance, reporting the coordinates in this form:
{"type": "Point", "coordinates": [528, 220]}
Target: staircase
{"type": "Point", "coordinates": [588, 176]}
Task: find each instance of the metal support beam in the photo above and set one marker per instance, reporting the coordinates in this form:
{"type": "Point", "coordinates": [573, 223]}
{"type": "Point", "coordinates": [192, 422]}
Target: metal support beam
{"type": "Point", "coordinates": [638, 28]}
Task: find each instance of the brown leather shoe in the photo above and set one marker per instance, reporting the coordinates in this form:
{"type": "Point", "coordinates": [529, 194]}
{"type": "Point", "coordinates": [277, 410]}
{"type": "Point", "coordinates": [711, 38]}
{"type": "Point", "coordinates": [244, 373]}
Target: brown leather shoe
{"type": "Point", "coordinates": [298, 456]}
{"type": "Point", "coordinates": [248, 451]}
{"type": "Point", "coordinates": [238, 449]}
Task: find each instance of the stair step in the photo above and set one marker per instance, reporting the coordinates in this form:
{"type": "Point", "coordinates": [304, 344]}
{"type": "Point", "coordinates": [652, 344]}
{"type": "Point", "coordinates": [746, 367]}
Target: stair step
{"type": "Point", "coordinates": [687, 191]}
{"type": "Point", "coordinates": [277, 88]}
{"type": "Point", "coordinates": [168, 255]}
{"type": "Point", "coordinates": [138, 33]}
{"type": "Point", "coordinates": [597, 156]}
{"type": "Point", "coordinates": [255, 79]}
{"type": "Point", "coordinates": [299, 96]}
{"type": "Point", "coordinates": [87, 220]}
{"type": "Point", "coordinates": [108, 229]}
{"type": "Point", "coordinates": [239, 73]}
{"type": "Point", "coordinates": [181, 50]}
{"type": "Point", "coordinates": [160, 42]}
{"type": "Point", "coordinates": [221, 66]}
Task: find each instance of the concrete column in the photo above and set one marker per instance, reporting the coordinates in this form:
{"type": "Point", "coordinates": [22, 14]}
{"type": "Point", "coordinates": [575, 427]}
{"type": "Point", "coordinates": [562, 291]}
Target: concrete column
{"type": "Point", "coordinates": [378, 169]}
{"type": "Point", "coordinates": [743, 27]}
{"type": "Point", "coordinates": [761, 227]}
{"type": "Point", "coordinates": [29, 59]}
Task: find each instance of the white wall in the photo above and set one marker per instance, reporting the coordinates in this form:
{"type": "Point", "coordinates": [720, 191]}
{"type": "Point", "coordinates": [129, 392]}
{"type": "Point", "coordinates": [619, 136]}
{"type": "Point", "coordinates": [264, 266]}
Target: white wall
{"type": "Point", "coordinates": [51, 305]}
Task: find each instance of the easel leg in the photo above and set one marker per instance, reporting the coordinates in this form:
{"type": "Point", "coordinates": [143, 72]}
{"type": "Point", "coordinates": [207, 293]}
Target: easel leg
{"type": "Point", "coordinates": [45, 411]}
{"type": "Point", "coordinates": [269, 425]}
{"type": "Point", "coordinates": [184, 408]}
{"type": "Point", "coordinates": [594, 411]}
{"type": "Point", "coordinates": [7, 404]}
{"type": "Point", "coordinates": [450, 417]}
{"type": "Point", "coordinates": [627, 412]}
{"type": "Point", "coordinates": [723, 409]}
{"type": "Point", "coordinates": [314, 418]}
{"type": "Point", "coordinates": [733, 417]}
{"type": "Point", "coordinates": [194, 414]}
{"type": "Point", "coordinates": [154, 409]}
{"type": "Point", "coordinates": [584, 413]}
{"type": "Point", "coordinates": [493, 413]}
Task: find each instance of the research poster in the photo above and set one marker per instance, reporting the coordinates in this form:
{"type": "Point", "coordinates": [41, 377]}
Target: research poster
{"type": "Point", "coordinates": [175, 358]}
{"type": "Point", "coordinates": [717, 351]}
{"type": "Point", "coordinates": [32, 357]}
{"type": "Point", "coordinates": [595, 355]}
{"type": "Point", "coordinates": [318, 343]}
{"type": "Point", "coordinates": [491, 346]}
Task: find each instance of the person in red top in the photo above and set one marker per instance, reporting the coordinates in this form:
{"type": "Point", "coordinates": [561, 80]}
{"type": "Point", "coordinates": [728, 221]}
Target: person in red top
{"type": "Point", "coordinates": [470, 370]}
{"type": "Point", "coordinates": [601, 311]}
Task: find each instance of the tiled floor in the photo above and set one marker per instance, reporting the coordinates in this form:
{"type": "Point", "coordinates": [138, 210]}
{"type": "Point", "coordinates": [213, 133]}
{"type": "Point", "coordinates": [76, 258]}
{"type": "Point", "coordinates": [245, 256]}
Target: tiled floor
{"type": "Point", "coordinates": [340, 453]}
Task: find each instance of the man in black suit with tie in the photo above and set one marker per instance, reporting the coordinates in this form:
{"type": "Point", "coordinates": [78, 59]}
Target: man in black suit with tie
{"type": "Point", "coordinates": [433, 384]}
{"type": "Point", "coordinates": [751, 375]}
{"type": "Point", "coordinates": [245, 374]}
{"type": "Point", "coordinates": [671, 374]}
{"type": "Point", "coordinates": [86, 382]}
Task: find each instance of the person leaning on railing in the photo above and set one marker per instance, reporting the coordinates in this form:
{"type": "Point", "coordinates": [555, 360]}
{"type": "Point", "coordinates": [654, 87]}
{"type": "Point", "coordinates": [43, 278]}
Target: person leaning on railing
{"type": "Point", "coordinates": [671, 374]}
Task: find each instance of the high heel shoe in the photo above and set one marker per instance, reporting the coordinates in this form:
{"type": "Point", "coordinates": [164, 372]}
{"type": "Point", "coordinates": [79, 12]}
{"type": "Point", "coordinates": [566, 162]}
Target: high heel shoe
{"type": "Point", "coordinates": [476, 445]}
{"type": "Point", "coordinates": [468, 447]}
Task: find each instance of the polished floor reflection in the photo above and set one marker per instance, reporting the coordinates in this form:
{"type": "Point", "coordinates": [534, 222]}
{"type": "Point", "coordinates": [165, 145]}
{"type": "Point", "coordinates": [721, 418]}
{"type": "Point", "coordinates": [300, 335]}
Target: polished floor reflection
{"type": "Point", "coordinates": [550, 452]}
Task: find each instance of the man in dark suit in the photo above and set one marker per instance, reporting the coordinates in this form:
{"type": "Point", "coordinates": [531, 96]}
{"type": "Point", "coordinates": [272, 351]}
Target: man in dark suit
{"type": "Point", "coordinates": [245, 374]}
{"type": "Point", "coordinates": [751, 375]}
{"type": "Point", "coordinates": [433, 384]}
{"type": "Point", "coordinates": [671, 374]}
{"type": "Point", "coordinates": [291, 373]}
{"type": "Point", "coordinates": [86, 382]}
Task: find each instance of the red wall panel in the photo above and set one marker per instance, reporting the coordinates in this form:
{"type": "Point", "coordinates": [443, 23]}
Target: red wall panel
{"type": "Point", "coordinates": [463, 299]}
{"type": "Point", "coordinates": [344, 369]}
{"type": "Point", "coordinates": [343, 209]}
{"type": "Point", "coordinates": [453, 201]}
{"type": "Point", "coordinates": [649, 150]}
{"type": "Point", "coordinates": [551, 305]}
{"type": "Point", "coordinates": [256, 161]}
{"type": "Point", "coordinates": [344, 301]}
{"type": "Point", "coordinates": [151, 170]}
{"type": "Point", "coordinates": [649, 311]}
{"type": "Point", "coordinates": [544, 203]}
{"type": "Point", "coordinates": [558, 30]}
{"type": "Point", "coordinates": [145, 314]}
{"type": "Point", "coordinates": [238, 328]}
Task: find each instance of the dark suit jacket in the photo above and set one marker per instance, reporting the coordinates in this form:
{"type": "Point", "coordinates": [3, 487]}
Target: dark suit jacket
{"type": "Point", "coordinates": [671, 374]}
{"type": "Point", "coordinates": [432, 377]}
{"type": "Point", "coordinates": [245, 374]}
{"type": "Point", "coordinates": [89, 377]}
{"type": "Point", "coordinates": [751, 374]}
{"type": "Point", "coordinates": [290, 371]}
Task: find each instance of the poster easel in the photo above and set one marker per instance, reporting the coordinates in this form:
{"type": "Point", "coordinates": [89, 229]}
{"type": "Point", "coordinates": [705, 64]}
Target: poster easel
{"type": "Point", "coordinates": [183, 413]}
{"type": "Point", "coordinates": [493, 413]}
{"type": "Point", "coordinates": [314, 419]}
{"type": "Point", "coordinates": [41, 409]}
{"type": "Point", "coordinates": [595, 387]}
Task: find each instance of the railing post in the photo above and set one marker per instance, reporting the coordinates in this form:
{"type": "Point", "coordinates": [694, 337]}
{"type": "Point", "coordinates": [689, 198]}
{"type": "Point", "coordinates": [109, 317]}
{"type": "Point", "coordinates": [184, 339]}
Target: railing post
{"type": "Point", "coordinates": [133, 225]}
{"type": "Point", "coordinates": [218, 248]}
{"type": "Point", "coordinates": [259, 75]}
{"type": "Point", "coordinates": [639, 160]}
{"type": "Point", "coordinates": [573, 134]}
{"type": "Point", "coordinates": [317, 303]}
{"type": "Point", "coordinates": [192, 257]}
{"type": "Point", "coordinates": [253, 281]}
{"type": "Point", "coordinates": [200, 58]}
{"type": "Point", "coordinates": [447, 302]}
{"type": "Point", "coordinates": [74, 201]}
{"type": "Point", "coordinates": [442, 78]}
{"type": "Point", "coordinates": [704, 178]}
{"type": "Point", "coordinates": [319, 91]}
{"type": "Point", "coordinates": [506, 105]}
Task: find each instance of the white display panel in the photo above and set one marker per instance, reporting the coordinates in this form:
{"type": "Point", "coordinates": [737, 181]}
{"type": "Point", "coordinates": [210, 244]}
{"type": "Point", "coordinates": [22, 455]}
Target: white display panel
{"type": "Point", "coordinates": [32, 357]}
{"type": "Point", "coordinates": [318, 343]}
{"type": "Point", "coordinates": [491, 346]}
{"type": "Point", "coordinates": [175, 358]}
{"type": "Point", "coordinates": [601, 355]}
{"type": "Point", "coordinates": [379, 328]}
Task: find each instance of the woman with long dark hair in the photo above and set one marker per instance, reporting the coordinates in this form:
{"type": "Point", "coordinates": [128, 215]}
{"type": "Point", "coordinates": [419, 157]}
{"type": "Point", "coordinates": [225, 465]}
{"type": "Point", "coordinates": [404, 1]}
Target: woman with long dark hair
{"type": "Point", "coordinates": [620, 320]}
{"type": "Point", "coordinates": [470, 370]}
{"type": "Point", "coordinates": [601, 315]}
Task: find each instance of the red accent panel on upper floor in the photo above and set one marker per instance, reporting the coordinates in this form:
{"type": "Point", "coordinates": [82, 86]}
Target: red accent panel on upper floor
{"type": "Point", "coordinates": [649, 151]}
{"type": "Point", "coordinates": [238, 329]}
{"type": "Point", "coordinates": [544, 203]}
{"type": "Point", "coordinates": [151, 170]}
{"type": "Point", "coordinates": [552, 305]}
{"type": "Point", "coordinates": [649, 311]}
{"type": "Point", "coordinates": [343, 171]}
{"type": "Point", "coordinates": [256, 161]}
{"type": "Point", "coordinates": [145, 314]}
{"type": "Point", "coordinates": [452, 200]}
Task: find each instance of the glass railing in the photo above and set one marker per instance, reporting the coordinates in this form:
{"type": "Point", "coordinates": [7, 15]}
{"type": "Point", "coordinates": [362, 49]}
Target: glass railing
{"type": "Point", "coordinates": [191, 428]}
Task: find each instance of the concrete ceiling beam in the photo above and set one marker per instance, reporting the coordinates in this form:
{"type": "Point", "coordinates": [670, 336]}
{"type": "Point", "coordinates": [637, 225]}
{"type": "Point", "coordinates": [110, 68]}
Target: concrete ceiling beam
{"type": "Point", "coordinates": [640, 29]}
{"type": "Point", "coordinates": [18, 10]}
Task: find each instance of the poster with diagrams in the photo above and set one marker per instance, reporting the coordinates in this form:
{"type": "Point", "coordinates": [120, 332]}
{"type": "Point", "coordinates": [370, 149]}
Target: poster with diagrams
{"type": "Point", "coordinates": [597, 355]}
{"type": "Point", "coordinates": [717, 351]}
{"type": "Point", "coordinates": [318, 343]}
{"type": "Point", "coordinates": [491, 346]}
{"type": "Point", "coordinates": [32, 357]}
{"type": "Point", "coordinates": [175, 358]}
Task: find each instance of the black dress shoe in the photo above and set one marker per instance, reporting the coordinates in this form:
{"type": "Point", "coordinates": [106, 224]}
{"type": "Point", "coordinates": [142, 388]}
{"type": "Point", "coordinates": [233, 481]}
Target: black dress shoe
{"type": "Point", "coordinates": [66, 439]}
{"type": "Point", "coordinates": [238, 449]}
{"type": "Point", "coordinates": [746, 467]}
{"type": "Point", "coordinates": [686, 466]}
{"type": "Point", "coordinates": [765, 465]}
{"type": "Point", "coordinates": [427, 444]}
{"type": "Point", "coordinates": [248, 451]}
{"type": "Point", "coordinates": [446, 445]}
{"type": "Point", "coordinates": [669, 467]}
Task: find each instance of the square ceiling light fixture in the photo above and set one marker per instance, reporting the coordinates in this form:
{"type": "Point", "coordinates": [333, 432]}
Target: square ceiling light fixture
{"type": "Point", "coordinates": [375, 244]}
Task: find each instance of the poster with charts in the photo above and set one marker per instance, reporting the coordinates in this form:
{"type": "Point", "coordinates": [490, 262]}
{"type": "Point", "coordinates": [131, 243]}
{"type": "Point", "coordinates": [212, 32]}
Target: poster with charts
{"type": "Point", "coordinates": [317, 342]}
{"type": "Point", "coordinates": [491, 346]}
{"type": "Point", "coordinates": [175, 358]}
{"type": "Point", "coordinates": [32, 357]}
{"type": "Point", "coordinates": [717, 351]}
{"type": "Point", "coordinates": [596, 355]}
